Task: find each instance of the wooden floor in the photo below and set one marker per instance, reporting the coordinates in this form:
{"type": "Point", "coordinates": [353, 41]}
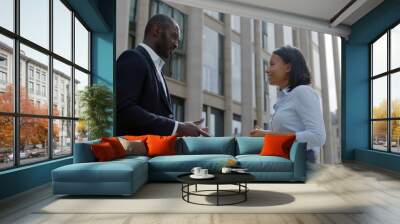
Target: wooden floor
{"type": "Point", "coordinates": [378, 188]}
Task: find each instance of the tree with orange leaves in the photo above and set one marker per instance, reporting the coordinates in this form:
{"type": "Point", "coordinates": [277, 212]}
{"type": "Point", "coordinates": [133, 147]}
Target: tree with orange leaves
{"type": "Point", "coordinates": [33, 131]}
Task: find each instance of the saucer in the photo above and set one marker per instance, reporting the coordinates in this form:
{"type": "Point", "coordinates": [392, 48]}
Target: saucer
{"type": "Point", "coordinates": [208, 176]}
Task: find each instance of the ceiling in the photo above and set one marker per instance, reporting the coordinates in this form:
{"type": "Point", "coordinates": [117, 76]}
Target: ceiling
{"type": "Point", "coordinates": [326, 16]}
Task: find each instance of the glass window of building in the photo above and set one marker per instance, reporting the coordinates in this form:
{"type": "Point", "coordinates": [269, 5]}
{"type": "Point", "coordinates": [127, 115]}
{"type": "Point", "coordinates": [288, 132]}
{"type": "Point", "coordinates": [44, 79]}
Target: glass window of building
{"type": "Point", "coordinates": [216, 15]}
{"type": "Point", "coordinates": [81, 45]}
{"type": "Point", "coordinates": [34, 26]}
{"type": "Point", "coordinates": [45, 128]}
{"type": "Point", "coordinates": [236, 73]}
{"type": "Point", "coordinates": [62, 30]}
{"type": "Point", "coordinates": [385, 96]}
{"type": "Point", "coordinates": [287, 35]}
{"type": "Point", "coordinates": [253, 78]}
{"type": "Point", "coordinates": [216, 126]}
{"type": "Point", "coordinates": [236, 125]}
{"type": "Point", "coordinates": [235, 23]}
{"type": "Point", "coordinates": [178, 108]}
{"type": "Point", "coordinates": [7, 14]}
{"type": "Point", "coordinates": [175, 67]}
{"type": "Point", "coordinates": [212, 61]}
{"type": "Point", "coordinates": [132, 24]}
{"type": "Point", "coordinates": [264, 35]}
{"type": "Point", "coordinates": [315, 58]}
{"type": "Point", "coordinates": [271, 37]}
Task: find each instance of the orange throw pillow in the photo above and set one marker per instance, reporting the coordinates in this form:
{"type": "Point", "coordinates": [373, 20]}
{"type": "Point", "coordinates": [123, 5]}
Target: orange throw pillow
{"type": "Point", "coordinates": [135, 138]}
{"type": "Point", "coordinates": [103, 152]}
{"type": "Point", "coordinates": [116, 145]}
{"type": "Point", "coordinates": [161, 145]}
{"type": "Point", "coordinates": [277, 145]}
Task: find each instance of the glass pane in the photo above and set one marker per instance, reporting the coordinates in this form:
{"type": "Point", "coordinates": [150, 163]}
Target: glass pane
{"type": "Point", "coordinates": [6, 74]}
{"type": "Point", "coordinates": [395, 135]}
{"type": "Point", "coordinates": [395, 47]}
{"type": "Point", "coordinates": [81, 131]}
{"type": "Point", "coordinates": [154, 6]}
{"type": "Point", "coordinates": [287, 35]}
{"type": "Point", "coordinates": [62, 89]}
{"type": "Point", "coordinates": [7, 14]}
{"type": "Point", "coordinates": [179, 18]}
{"type": "Point", "coordinates": [379, 98]}
{"type": "Point", "coordinates": [33, 139]}
{"type": "Point", "coordinates": [379, 135]}
{"type": "Point", "coordinates": [236, 127]}
{"type": "Point", "coordinates": [236, 73]}
{"type": "Point", "coordinates": [81, 81]}
{"type": "Point", "coordinates": [165, 9]}
{"type": "Point", "coordinates": [81, 45]}
{"type": "Point", "coordinates": [395, 95]}
{"type": "Point", "coordinates": [62, 29]}
{"type": "Point", "coordinates": [177, 67]}
{"type": "Point", "coordinates": [62, 138]}
{"type": "Point", "coordinates": [379, 55]}
{"type": "Point", "coordinates": [34, 72]}
{"type": "Point", "coordinates": [211, 75]}
{"type": "Point", "coordinates": [235, 23]}
{"type": "Point", "coordinates": [35, 21]}
{"type": "Point", "coordinates": [6, 142]}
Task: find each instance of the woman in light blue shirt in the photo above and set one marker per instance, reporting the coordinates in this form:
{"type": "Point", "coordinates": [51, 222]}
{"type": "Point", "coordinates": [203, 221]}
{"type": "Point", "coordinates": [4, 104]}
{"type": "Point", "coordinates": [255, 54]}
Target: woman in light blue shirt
{"type": "Point", "coordinates": [298, 109]}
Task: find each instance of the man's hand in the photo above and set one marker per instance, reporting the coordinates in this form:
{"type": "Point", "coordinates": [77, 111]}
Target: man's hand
{"type": "Point", "coordinates": [191, 129]}
{"type": "Point", "coordinates": [257, 132]}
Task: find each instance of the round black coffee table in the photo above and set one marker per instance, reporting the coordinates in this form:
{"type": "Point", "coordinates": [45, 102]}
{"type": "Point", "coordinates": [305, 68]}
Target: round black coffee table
{"type": "Point", "coordinates": [238, 179]}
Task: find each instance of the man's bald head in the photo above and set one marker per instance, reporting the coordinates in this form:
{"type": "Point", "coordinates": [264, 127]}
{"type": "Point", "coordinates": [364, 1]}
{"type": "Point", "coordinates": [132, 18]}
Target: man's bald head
{"type": "Point", "coordinates": [162, 35]}
{"type": "Point", "coordinates": [160, 20]}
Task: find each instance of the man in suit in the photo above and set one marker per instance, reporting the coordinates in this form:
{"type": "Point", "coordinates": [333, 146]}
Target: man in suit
{"type": "Point", "coordinates": [143, 99]}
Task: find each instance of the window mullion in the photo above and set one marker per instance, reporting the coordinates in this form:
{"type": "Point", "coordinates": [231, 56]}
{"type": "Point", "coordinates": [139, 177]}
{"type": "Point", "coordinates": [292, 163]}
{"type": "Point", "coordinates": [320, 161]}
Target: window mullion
{"type": "Point", "coordinates": [50, 77]}
{"type": "Point", "coordinates": [16, 84]}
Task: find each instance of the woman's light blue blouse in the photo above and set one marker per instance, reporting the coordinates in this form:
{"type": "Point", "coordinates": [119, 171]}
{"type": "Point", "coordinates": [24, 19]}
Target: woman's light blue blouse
{"type": "Point", "coordinates": [299, 111]}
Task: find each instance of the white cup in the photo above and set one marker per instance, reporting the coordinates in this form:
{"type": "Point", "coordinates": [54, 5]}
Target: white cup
{"type": "Point", "coordinates": [196, 170]}
{"type": "Point", "coordinates": [226, 170]}
{"type": "Point", "coordinates": [203, 172]}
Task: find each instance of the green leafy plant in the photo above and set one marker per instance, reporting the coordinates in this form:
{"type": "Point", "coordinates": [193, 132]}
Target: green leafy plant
{"type": "Point", "coordinates": [96, 103]}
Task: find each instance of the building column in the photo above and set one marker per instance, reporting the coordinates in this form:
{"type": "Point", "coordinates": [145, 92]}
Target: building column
{"type": "Point", "coordinates": [296, 37]}
{"type": "Point", "coordinates": [305, 46]}
{"type": "Point", "coordinates": [259, 74]}
{"type": "Point", "coordinates": [122, 22]}
{"type": "Point", "coordinates": [228, 115]}
{"type": "Point", "coordinates": [336, 64]}
{"type": "Point", "coordinates": [326, 153]}
{"type": "Point", "coordinates": [278, 35]}
{"type": "Point", "coordinates": [194, 66]}
{"type": "Point", "coordinates": [142, 16]}
{"type": "Point", "coordinates": [246, 65]}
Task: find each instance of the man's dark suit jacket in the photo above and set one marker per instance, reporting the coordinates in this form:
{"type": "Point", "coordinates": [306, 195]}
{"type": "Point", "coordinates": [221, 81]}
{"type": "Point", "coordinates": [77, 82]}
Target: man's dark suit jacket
{"type": "Point", "coordinates": [142, 106]}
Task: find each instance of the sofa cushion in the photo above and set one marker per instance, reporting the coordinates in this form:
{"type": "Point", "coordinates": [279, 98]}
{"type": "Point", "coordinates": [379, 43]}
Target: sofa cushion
{"type": "Point", "coordinates": [249, 145]}
{"type": "Point", "coordinates": [206, 145]}
{"type": "Point", "coordinates": [257, 163]}
{"type": "Point", "coordinates": [83, 152]}
{"type": "Point", "coordinates": [185, 163]}
{"type": "Point", "coordinates": [112, 171]}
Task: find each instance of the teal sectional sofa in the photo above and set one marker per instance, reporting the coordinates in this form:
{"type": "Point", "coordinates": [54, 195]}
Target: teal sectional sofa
{"type": "Point", "coordinates": [125, 176]}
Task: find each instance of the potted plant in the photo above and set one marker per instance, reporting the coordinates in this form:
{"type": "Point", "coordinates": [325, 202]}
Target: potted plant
{"type": "Point", "coordinates": [96, 103]}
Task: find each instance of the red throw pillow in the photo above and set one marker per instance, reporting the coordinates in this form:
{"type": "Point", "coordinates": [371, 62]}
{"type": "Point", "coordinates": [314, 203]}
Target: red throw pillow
{"type": "Point", "coordinates": [277, 145]}
{"type": "Point", "coordinates": [103, 152]}
{"type": "Point", "coordinates": [161, 145]}
{"type": "Point", "coordinates": [116, 145]}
